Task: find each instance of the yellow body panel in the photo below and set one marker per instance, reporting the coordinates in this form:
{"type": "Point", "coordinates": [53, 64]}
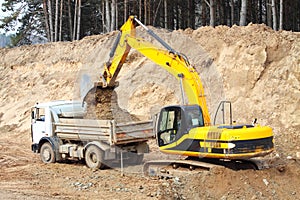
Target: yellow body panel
{"type": "Point", "coordinates": [215, 133]}
{"type": "Point", "coordinates": [223, 140]}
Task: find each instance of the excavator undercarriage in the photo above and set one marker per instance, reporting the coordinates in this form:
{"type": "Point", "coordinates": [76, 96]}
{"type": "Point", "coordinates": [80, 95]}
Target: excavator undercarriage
{"type": "Point", "coordinates": [167, 168]}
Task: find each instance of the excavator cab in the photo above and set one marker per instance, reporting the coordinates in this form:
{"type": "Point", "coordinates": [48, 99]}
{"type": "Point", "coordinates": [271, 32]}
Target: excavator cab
{"type": "Point", "coordinates": [176, 121]}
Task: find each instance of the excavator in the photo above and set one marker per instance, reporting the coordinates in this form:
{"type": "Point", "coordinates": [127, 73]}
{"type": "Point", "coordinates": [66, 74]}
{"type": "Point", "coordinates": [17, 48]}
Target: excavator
{"type": "Point", "coordinates": [187, 129]}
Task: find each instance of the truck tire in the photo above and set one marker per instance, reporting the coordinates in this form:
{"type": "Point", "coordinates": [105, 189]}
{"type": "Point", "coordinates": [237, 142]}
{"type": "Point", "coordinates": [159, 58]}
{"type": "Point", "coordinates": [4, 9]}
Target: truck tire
{"type": "Point", "coordinates": [46, 153]}
{"type": "Point", "coordinates": [94, 157]}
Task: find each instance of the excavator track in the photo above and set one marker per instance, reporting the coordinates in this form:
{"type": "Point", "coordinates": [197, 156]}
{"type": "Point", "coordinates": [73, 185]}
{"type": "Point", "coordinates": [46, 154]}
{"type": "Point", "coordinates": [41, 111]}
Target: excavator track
{"type": "Point", "coordinates": [175, 164]}
{"type": "Point", "coordinates": [158, 167]}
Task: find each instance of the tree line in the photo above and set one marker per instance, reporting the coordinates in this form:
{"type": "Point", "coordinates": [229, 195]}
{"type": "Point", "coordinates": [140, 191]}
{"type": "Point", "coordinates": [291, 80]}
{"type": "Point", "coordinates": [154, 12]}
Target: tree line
{"type": "Point", "coordinates": [66, 20]}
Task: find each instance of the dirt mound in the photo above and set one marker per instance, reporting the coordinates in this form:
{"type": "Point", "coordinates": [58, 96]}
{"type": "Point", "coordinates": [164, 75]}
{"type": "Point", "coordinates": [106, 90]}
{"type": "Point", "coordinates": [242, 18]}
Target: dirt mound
{"type": "Point", "coordinates": [102, 103]}
{"type": "Point", "coordinates": [253, 66]}
{"type": "Point", "coordinates": [260, 73]}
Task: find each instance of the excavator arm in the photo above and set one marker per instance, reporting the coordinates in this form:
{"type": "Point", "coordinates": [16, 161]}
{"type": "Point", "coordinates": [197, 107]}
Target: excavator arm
{"type": "Point", "coordinates": [172, 61]}
{"type": "Point", "coordinates": [118, 54]}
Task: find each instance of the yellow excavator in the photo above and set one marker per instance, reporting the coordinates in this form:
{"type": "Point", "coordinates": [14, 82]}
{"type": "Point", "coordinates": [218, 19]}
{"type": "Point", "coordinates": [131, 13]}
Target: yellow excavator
{"type": "Point", "coordinates": [187, 129]}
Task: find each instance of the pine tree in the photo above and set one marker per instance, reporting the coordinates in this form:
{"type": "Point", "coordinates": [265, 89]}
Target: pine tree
{"type": "Point", "coordinates": [28, 16]}
{"type": "Point", "coordinates": [52, 20]}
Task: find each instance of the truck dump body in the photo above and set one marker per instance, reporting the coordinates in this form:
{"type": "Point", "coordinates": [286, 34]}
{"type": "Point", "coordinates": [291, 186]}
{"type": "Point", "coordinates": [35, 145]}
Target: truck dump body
{"type": "Point", "coordinates": [104, 130]}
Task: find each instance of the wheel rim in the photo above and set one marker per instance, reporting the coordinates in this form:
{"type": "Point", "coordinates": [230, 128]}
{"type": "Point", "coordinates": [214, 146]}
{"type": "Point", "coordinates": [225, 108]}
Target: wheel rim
{"type": "Point", "coordinates": [46, 154]}
{"type": "Point", "coordinates": [93, 157]}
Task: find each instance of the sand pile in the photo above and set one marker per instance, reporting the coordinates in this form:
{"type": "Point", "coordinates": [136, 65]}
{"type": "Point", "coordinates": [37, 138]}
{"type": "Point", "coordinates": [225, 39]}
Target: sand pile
{"type": "Point", "coordinates": [253, 66]}
{"type": "Point", "coordinates": [102, 103]}
{"type": "Point", "coordinates": [260, 72]}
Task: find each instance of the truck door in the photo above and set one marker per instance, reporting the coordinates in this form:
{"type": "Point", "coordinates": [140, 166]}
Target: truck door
{"type": "Point", "coordinates": [38, 124]}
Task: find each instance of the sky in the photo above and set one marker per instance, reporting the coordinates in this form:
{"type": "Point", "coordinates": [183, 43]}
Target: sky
{"type": "Point", "coordinates": [2, 15]}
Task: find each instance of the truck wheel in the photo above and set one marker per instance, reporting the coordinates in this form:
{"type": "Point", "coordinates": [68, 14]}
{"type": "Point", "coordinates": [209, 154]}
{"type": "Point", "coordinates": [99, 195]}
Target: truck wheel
{"type": "Point", "coordinates": [47, 153]}
{"type": "Point", "coordinates": [94, 157]}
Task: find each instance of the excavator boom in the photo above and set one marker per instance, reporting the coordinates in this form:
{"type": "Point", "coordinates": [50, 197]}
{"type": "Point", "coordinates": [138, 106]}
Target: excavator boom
{"type": "Point", "coordinates": [172, 61]}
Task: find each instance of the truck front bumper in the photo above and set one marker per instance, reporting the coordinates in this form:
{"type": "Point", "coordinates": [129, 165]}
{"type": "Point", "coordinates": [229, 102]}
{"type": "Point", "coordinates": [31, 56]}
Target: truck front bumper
{"type": "Point", "coordinates": [35, 147]}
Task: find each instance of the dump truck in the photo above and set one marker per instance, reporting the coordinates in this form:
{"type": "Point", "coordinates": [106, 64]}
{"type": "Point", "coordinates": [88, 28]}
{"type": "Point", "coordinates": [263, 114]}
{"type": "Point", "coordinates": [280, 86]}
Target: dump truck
{"type": "Point", "coordinates": [59, 132]}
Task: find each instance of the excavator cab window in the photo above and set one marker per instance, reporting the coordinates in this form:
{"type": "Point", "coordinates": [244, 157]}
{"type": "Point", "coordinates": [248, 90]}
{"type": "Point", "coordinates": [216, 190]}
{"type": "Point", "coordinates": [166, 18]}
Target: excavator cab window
{"type": "Point", "coordinates": [169, 125]}
{"type": "Point", "coordinates": [194, 116]}
{"type": "Point", "coordinates": [175, 121]}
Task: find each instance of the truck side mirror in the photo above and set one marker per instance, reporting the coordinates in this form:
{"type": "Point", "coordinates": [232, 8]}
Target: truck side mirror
{"type": "Point", "coordinates": [32, 115]}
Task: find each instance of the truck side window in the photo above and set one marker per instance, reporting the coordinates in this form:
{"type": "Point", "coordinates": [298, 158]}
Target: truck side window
{"type": "Point", "coordinates": [40, 114]}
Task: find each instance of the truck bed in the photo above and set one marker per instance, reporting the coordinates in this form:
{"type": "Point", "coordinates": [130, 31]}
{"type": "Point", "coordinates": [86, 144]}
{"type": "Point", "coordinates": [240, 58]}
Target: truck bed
{"type": "Point", "coordinates": [104, 130]}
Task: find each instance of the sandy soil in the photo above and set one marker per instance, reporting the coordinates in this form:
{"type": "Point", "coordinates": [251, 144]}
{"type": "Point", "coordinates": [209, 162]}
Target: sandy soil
{"type": "Point", "coordinates": [253, 66]}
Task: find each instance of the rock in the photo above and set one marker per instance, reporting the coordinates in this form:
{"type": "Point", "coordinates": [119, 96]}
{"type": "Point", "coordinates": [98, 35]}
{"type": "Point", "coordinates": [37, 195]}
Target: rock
{"type": "Point", "coordinates": [165, 184]}
{"type": "Point", "coordinates": [177, 180]}
{"type": "Point", "coordinates": [259, 194]}
{"type": "Point", "coordinates": [158, 193]}
{"type": "Point", "coordinates": [55, 194]}
{"type": "Point", "coordinates": [280, 168]}
{"type": "Point", "coordinates": [96, 177]}
{"type": "Point", "coordinates": [85, 187]}
{"type": "Point", "coordinates": [289, 157]}
{"type": "Point", "coordinates": [298, 155]}
{"type": "Point", "coordinates": [90, 184]}
{"type": "Point", "coordinates": [265, 182]}
{"type": "Point", "coordinates": [149, 194]}
{"type": "Point", "coordinates": [77, 184]}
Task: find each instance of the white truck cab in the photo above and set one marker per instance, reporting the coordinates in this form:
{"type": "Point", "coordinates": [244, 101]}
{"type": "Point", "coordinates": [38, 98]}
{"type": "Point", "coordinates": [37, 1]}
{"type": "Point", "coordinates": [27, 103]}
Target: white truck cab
{"type": "Point", "coordinates": [44, 115]}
